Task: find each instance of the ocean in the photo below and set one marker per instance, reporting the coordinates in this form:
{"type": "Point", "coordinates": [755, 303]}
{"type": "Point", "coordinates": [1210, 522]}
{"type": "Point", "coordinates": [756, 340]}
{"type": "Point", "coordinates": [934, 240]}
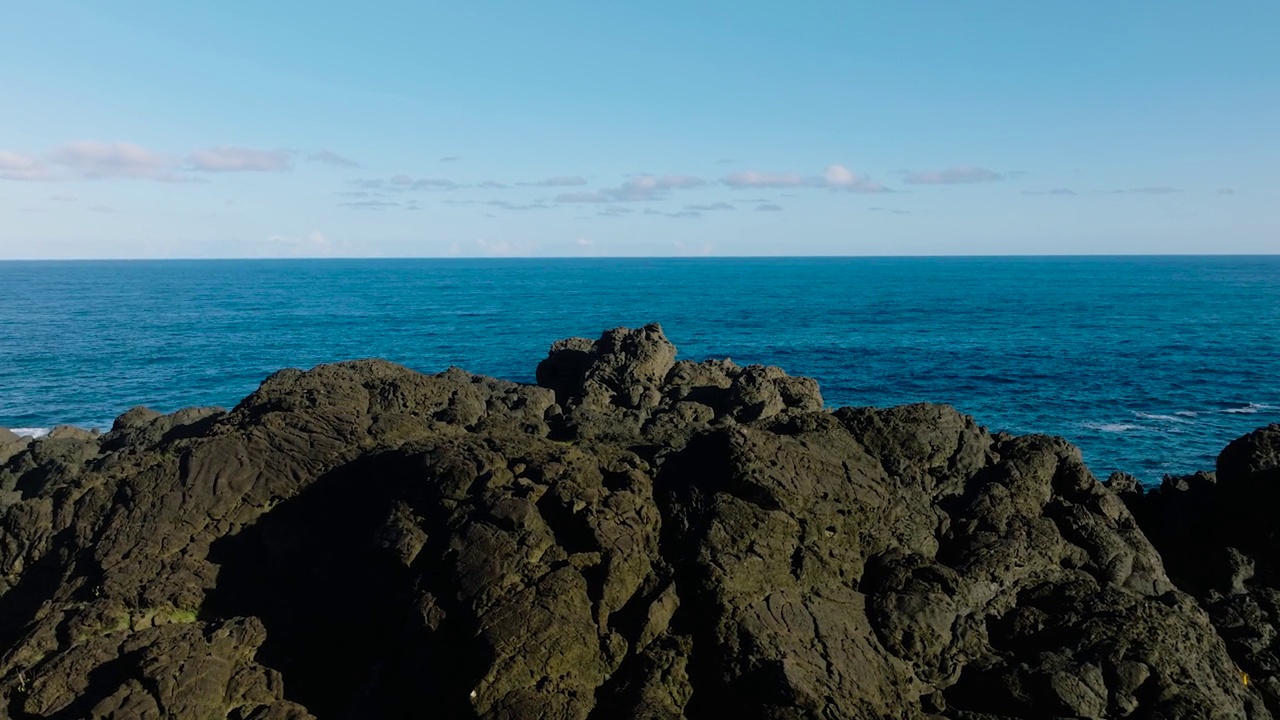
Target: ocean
{"type": "Point", "coordinates": [1149, 364]}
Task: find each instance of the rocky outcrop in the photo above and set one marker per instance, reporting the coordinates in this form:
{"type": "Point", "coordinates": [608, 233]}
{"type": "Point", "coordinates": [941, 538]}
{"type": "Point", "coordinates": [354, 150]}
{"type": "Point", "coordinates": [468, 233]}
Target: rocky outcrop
{"type": "Point", "coordinates": [1219, 534]}
{"type": "Point", "coordinates": [636, 537]}
{"type": "Point", "coordinates": [628, 387]}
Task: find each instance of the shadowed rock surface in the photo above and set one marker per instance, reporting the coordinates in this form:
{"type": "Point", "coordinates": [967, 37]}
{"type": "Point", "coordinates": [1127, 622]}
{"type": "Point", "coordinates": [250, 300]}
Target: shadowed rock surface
{"type": "Point", "coordinates": [1220, 537]}
{"type": "Point", "coordinates": [637, 537]}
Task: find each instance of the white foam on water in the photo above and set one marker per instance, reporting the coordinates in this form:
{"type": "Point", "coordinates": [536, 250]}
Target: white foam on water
{"type": "Point", "coordinates": [1113, 427]}
{"type": "Point", "coordinates": [30, 432]}
{"type": "Point", "coordinates": [1187, 413]}
{"type": "Point", "coordinates": [1250, 409]}
{"type": "Point", "coordinates": [1168, 418]}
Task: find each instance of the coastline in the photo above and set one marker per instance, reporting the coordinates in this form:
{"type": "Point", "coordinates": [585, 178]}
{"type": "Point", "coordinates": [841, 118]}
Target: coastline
{"type": "Point", "coordinates": [34, 433]}
{"type": "Point", "coordinates": [1014, 343]}
{"type": "Point", "coordinates": [632, 536]}
{"type": "Point", "coordinates": [1180, 422]}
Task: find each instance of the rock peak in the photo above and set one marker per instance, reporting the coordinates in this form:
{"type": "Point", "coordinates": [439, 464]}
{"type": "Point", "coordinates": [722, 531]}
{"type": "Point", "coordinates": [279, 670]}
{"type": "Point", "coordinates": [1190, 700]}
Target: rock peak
{"type": "Point", "coordinates": [625, 367]}
{"type": "Point", "coordinates": [629, 383]}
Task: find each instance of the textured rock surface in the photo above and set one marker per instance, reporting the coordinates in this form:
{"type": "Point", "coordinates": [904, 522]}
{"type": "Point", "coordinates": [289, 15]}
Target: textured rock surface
{"type": "Point", "coordinates": [1220, 537]}
{"type": "Point", "coordinates": [639, 537]}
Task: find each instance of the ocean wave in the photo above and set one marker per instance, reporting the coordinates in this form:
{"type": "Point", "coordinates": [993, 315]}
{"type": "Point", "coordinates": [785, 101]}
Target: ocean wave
{"type": "Point", "coordinates": [1250, 409]}
{"type": "Point", "coordinates": [1176, 417]}
{"type": "Point", "coordinates": [1113, 427]}
{"type": "Point", "coordinates": [1187, 413]}
{"type": "Point", "coordinates": [30, 432]}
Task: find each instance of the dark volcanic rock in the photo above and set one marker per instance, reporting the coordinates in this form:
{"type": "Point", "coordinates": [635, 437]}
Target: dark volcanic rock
{"type": "Point", "coordinates": [10, 444]}
{"type": "Point", "coordinates": [640, 537]}
{"type": "Point", "coordinates": [1124, 485]}
{"type": "Point", "coordinates": [1219, 534]}
{"type": "Point", "coordinates": [9, 441]}
{"type": "Point", "coordinates": [628, 387]}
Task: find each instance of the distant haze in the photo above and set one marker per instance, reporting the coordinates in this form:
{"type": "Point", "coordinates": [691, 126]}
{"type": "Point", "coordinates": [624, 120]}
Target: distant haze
{"type": "Point", "coordinates": [245, 129]}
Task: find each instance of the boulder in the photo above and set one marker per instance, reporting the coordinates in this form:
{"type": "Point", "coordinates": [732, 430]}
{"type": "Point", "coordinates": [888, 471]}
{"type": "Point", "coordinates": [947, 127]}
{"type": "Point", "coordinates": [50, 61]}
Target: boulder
{"type": "Point", "coordinates": [10, 444]}
{"type": "Point", "coordinates": [627, 387]}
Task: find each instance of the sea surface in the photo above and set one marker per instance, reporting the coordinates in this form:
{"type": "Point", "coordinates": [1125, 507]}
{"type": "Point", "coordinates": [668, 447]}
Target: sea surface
{"type": "Point", "coordinates": [1149, 364]}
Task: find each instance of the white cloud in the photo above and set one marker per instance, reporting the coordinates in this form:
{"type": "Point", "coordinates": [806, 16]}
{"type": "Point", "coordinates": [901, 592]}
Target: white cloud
{"type": "Point", "coordinates": [650, 187]}
{"type": "Point", "coordinates": [508, 205]}
{"type": "Point", "coordinates": [503, 204]}
{"type": "Point", "coordinates": [679, 182]}
{"type": "Point", "coordinates": [333, 159]}
{"type": "Point", "coordinates": [641, 187]}
{"type": "Point", "coordinates": [583, 242]}
{"type": "Point", "coordinates": [644, 187]}
{"type": "Point", "coordinates": [839, 177]}
{"type": "Point", "coordinates": [406, 182]}
{"type": "Point", "coordinates": [21, 167]}
{"type": "Point", "coordinates": [238, 159]}
{"type": "Point", "coordinates": [677, 214]}
{"type": "Point", "coordinates": [835, 177]}
{"type": "Point", "coordinates": [769, 207]}
{"type": "Point", "coordinates": [960, 174]}
{"type": "Point", "coordinates": [756, 179]}
{"type": "Point", "coordinates": [98, 160]}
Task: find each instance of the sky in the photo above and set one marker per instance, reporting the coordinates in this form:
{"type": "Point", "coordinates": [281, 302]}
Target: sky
{"type": "Point", "coordinates": [147, 129]}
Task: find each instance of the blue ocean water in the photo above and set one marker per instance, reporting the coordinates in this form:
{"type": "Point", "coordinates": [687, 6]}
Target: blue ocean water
{"type": "Point", "coordinates": [1150, 364]}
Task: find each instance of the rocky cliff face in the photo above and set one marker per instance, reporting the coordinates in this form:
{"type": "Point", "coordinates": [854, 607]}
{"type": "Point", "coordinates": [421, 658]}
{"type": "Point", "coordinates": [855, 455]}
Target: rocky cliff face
{"type": "Point", "coordinates": [1219, 536]}
{"type": "Point", "coordinates": [638, 537]}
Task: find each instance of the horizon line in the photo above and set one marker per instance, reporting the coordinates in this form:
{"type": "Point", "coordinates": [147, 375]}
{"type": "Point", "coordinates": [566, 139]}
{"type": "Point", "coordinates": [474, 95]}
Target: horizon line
{"type": "Point", "coordinates": [640, 257]}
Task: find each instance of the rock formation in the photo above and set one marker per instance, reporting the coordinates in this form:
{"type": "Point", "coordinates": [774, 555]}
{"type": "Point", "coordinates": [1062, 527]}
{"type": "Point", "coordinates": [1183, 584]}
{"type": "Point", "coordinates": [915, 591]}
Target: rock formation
{"type": "Point", "coordinates": [1219, 535]}
{"type": "Point", "coordinates": [636, 537]}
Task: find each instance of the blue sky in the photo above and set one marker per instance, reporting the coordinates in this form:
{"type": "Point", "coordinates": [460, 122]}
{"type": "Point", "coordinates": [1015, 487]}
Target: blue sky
{"type": "Point", "coordinates": [250, 129]}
